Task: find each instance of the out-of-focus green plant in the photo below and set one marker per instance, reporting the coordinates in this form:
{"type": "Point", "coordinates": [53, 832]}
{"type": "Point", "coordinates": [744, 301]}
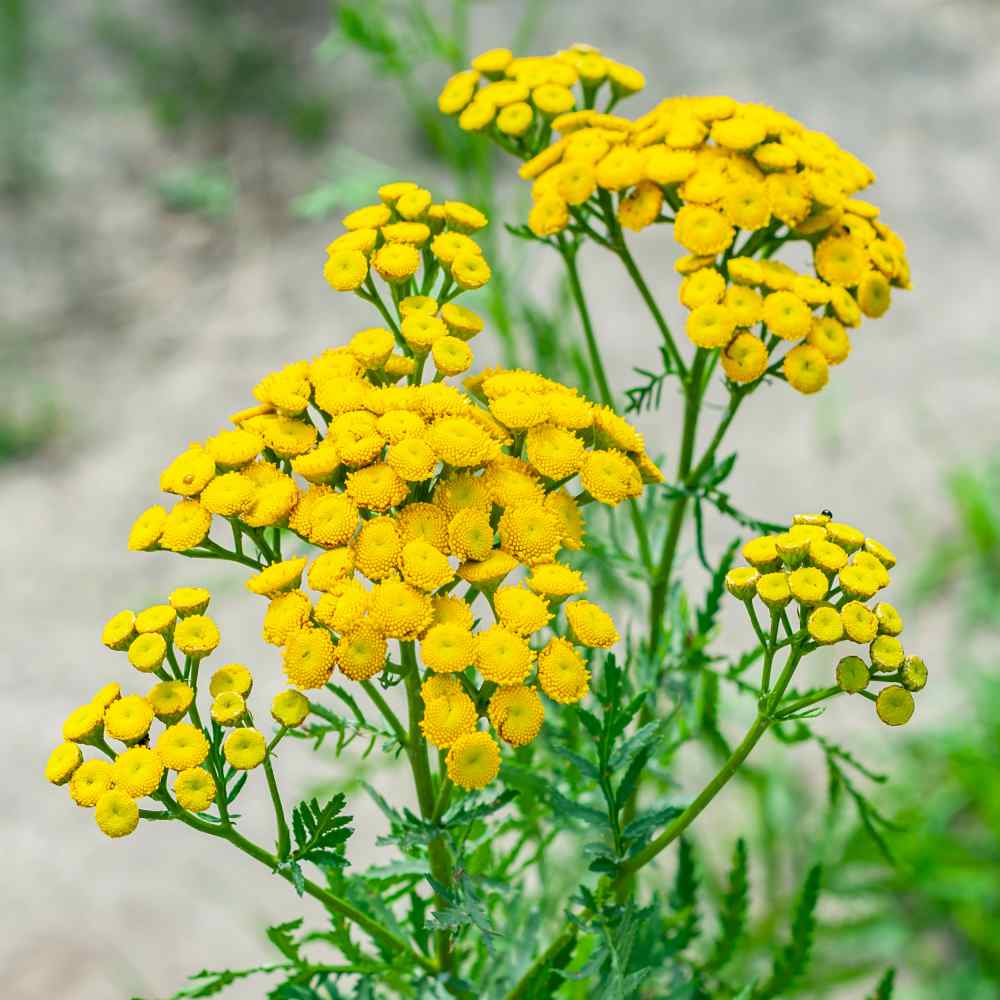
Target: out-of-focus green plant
{"type": "Point", "coordinates": [215, 62]}
{"type": "Point", "coordinates": [207, 191]}
{"type": "Point", "coordinates": [20, 134]}
{"type": "Point", "coordinates": [413, 43]}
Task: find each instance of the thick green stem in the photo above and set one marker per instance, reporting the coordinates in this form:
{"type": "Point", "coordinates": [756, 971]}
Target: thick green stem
{"type": "Point", "coordinates": [284, 840]}
{"type": "Point", "coordinates": [416, 750]}
{"type": "Point", "coordinates": [387, 713]}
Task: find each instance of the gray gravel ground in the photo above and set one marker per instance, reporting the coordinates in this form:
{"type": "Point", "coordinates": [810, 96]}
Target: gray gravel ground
{"type": "Point", "coordinates": [153, 327]}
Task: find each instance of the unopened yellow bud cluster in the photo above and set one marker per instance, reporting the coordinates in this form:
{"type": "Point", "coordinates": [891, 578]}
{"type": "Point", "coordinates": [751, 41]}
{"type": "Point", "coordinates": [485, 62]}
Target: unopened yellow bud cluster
{"type": "Point", "coordinates": [832, 571]}
{"type": "Point", "coordinates": [405, 231]}
{"type": "Point", "coordinates": [737, 181]}
{"type": "Point", "coordinates": [169, 640]}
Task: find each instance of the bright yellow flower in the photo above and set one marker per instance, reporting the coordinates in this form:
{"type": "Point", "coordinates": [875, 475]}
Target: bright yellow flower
{"type": "Point", "coordinates": [308, 658]}
{"type": "Point", "coordinates": [473, 760]}
{"type": "Point", "coordinates": [516, 713]}
{"type": "Point", "coordinates": [117, 814]}
{"type": "Point", "coordinates": [194, 789]}
{"type": "Point", "coordinates": [502, 656]}
{"type": "Point", "coordinates": [244, 749]}
{"type": "Point", "coordinates": [447, 718]}
{"type": "Point", "coordinates": [182, 746]}
{"type": "Point", "coordinates": [562, 673]}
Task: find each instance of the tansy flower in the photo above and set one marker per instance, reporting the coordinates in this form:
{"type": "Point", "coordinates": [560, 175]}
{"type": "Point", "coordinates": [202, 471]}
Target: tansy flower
{"type": "Point", "coordinates": [440, 686]}
{"type": "Point", "coordinates": [827, 335]}
{"type": "Point", "coordinates": [746, 204]}
{"type": "Point", "coordinates": [308, 658]}
{"type": "Point", "coordinates": [860, 624]}
{"type": "Point", "coordinates": [460, 442]}
{"type": "Point", "coordinates": [620, 168]}
{"type": "Point", "coordinates": [858, 582]}
{"type": "Point", "coordinates": [377, 487]}
{"type": "Point", "coordinates": [762, 553]}
{"type": "Point", "coordinates": [399, 425]}
{"type": "Point", "coordinates": [462, 322]}
{"type": "Point", "coordinates": [395, 262]}
{"type": "Point", "coordinates": [745, 358]}
{"type": "Point", "coordinates": [244, 749]}
{"type": "Point", "coordinates": [470, 270]}
{"type": "Point", "coordinates": [741, 582]}
{"type": "Point", "coordinates": [485, 573]}
{"type": "Point", "coordinates": [555, 453]}
{"type": "Point", "coordinates": [399, 611]}
{"type": "Point", "coordinates": [560, 503]}
{"type": "Point", "coordinates": [702, 287]}
{"type": "Point", "coordinates": [502, 656]}
{"type": "Point", "coordinates": [470, 534]}
{"type": "Point", "coordinates": [452, 610]}
{"type": "Point", "coordinates": [286, 614]}
{"type": "Point", "coordinates": [277, 577]}
{"type": "Point", "coordinates": [447, 718]}
{"type": "Point", "coordinates": [423, 522]}
{"type": "Point", "coordinates": [119, 630]}
{"type": "Point", "coordinates": [116, 814]}
{"type": "Point", "coordinates": [181, 746]}
{"type": "Point", "coordinates": [880, 552]}
{"type": "Point", "coordinates": [83, 724]}
{"type": "Point", "coordinates": [170, 700]}
{"type": "Point", "coordinates": [186, 526]}
{"type": "Point", "coordinates": [147, 528]}
{"type": "Point", "coordinates": [412, 459]}
{"type": "Point", "coordinates": [825, 624]}
{"type": "Point", "coordinates": [610, 477]}
{"type": "Point", "coordinates": [332, 520]}
{"type": "Point", "coordinates": [189, 473]}
{"type": "Point", "coordinates": [591, 625]}
{"type": "Point", "coordinates": [710, 326]}
{"type": "Point", "coordinates": [146, 653]}
{"type": "Point", "coordinates": [194, 789]}
{"type": "Point", "coordinates": [231, 677]}
{"type": "Point", "coordinates": [189, 600]}
{"type": "Point", "coordinates": [128, 719]}
{"type": "Point", "coordinates": [520, 610]}
{"type": "Point", "coordinates": [702, 230]}
{"type": "Point", "coordinates": [826, 556]}
{"type": "Point", "coordinates": [424, 566]}
{"type": "Point", "coordinates": [890, 621]}
{"type": "Point", "coordinates": [840, 261]}
{"type": "Point", "coordinates": [562, 673]}
{"type": "Point", "coordinates": [555, 580]}
{"type": "Point", "coordinates": [369, 217]}
{"type": "Point", "coordinates": [913, 673]}
{"type": "Point", "coordinates": [196, 636]}
{"type": "Point", "coordinates": [228, 708]}
{"type": "Point", "coordinates": [62, 763]}
{"type": "Point", "coordinates": [894, 705]}
{"type": "Point", "coordinates": [413, 204]}
{"type": "Point", "coordinates": [159, 618]}
{"type": "Point", "coordinates": [807, 585]}
{"type": "Point", "coordinates": [850, 539]}
{"type": "Point", "coordinates": [516, 713]}
{"type": "Point", "coordinates": [90, 781]}
{"type": "Point", "coordinates": [138, 771]}
{"type": "Point", "coordinates": [787, 316]}
{"type": "Point", "coordinates": [449, 245]}
{"type": "Point", "coordinates": [805, 368]}
{"type": "Point", "coordinates": [448, 647]}
{"type": "Point", "coordinates": [616, 430]}
{"type": "Point", "coordinates": [378, 548]}
{"type": "Point", "coordinates": [361, 653]}
{"type": "Point", "coordinates": [228, 494]}
{"type": "Point", "coordinates": [421, 332]}
{"type": "Point", "coordinates": [106, 694]}
{"type": "Point", "coordinates": [641, 206]}
{"type": "Point", "coordinates": [290, 708]}
{"type": "Point", "coordinates": [852, 674]}
{"type": "Point", "coordinates": [530, 534]}
{"type": "Point", "coordinates": [452, 356]}
{"type": "Point", "coordinates": [234, 449]}
{"type": "Point", "coordinates": [473, 760]}
{"type": "Point", "coordinates": [773, 590]}
{"type": "Point", "coordinates": [344, 607]}
{"type": "Point", "coordinates": [886, 653]}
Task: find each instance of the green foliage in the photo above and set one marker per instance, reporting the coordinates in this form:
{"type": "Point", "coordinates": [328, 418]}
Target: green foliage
{"type": "Point", "coordinates": [207, 191]}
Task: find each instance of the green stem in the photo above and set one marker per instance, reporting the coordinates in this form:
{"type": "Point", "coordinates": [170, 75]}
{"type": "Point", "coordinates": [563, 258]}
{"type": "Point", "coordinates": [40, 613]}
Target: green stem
{"type": "Point", "coordinates": [334, 903]}
{"type": "Point", "coordinates": [416, 750]}
{"type": "Point", "coordinates": [284, 840]}
{"type": "Point", "coordinates": [387, 713]}
{"type": "Point", "coordinates": [796, 706]}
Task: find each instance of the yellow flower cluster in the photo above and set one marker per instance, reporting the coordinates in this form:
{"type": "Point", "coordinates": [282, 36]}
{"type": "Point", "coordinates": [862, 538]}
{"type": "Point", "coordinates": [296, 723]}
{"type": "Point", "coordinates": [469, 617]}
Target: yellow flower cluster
{"type": "Point", "coordinates": [436, 487]}
{"type": "Point", "coordinates": [518, 97]}
{"type": "Point", "coordinates": [737, 181]}
{"type": "Point", "coordinates": [170, 641]}
{"type": "Point", "coordinates": [405, 231]}
{"type": "Point", "coordinates": [832, 571]}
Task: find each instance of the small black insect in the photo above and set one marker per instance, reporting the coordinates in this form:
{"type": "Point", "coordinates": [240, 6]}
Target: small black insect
{"type": "Point", "coordinates": [827, 513]}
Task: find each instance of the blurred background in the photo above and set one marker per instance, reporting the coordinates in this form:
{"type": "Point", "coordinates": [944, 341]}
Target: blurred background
{"type": "Point", "coordinates": [170, 174]}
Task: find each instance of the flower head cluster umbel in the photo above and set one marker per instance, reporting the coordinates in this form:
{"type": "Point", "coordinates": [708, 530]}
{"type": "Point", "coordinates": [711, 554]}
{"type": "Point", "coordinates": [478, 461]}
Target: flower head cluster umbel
{"type": "Point", "coordinates": [832, 573]}
{"type": "Point", "coordinates": [737, 182]}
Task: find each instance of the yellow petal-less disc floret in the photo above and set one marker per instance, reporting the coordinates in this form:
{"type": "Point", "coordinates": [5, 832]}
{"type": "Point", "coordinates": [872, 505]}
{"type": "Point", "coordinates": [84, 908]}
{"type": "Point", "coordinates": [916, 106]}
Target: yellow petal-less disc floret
{"type": "Point", "coordinates": [290, 708]}
{"type": "Point", "coordinates": [741, 582]}
{"type": "Point", "coordinates": [286, 614]}
{"type": "Point", "coordinates": [186, 526]}
{"type": "Point", "coordinates": [138, 771]}
{"type": "Point", "coordinates": [119, 630]}
{"type": "Point", "coordinates": [890, 622]}
{"type": "Point", "coordinates": [170, 700]}
{"type": "Point", "coordinates": [231, 677]}
{"type": "Point", "coordinates": [448, 647]}
{"type": "Point", "coordinates": [308, 658]}
{"type": "Point", "coordinates": [194, 789]}
{"type": "Point", "coordinates": [773, 590]}
{"type": "Point", "coordinates": [860, 623]}
{"type": "Point", "coordinates": [562, 673]}
{"type": "Point", "coordinates": [520, 610]}
{"type": "Point", "coordinates": [147, 528]}
{"type": "Point", "coordinates": [189, 600]}
{"type": "Point", "coordinates": [147, 652]}
{"type": "Point", "coordinates": [62, 763]}
{"type": "Point", "coordinates": [128, 719]}
{"type": "Point", "coordinates": [447, 718]}
{"type": "Point", "coordinates": [83, 724]}
{"type": "Point", "coordinates": [181, 746]}
{"type": "Point", "coordinates": [159, 618]}
{"type": "Point", "coordinates": [116, 814]}
{"type": "Point", "coordinates": [473, 760]}
{"type": "Point", "coordinates": [278, 577]}
{"type": "Point", "coordinates": [228, 708]}
{"type": "Point", "coordinates": [591, 624]}
{"type": "Point", "coordinates": [808, 585]}
{"type": "Point", "coordinates": [502, 656]}
{"type": "Point", "coordinates": [245, 749]}
{"type": "Point", "coordinates": [556, 581]}
{"type": "Point", "coordinates": [894, 705]}
{"type": "Point", "coordinates": [516, 713]}
{"type": "Point", "coordinates": [361, 653]}
{"type": "Point", "coordinates": [852, 674]}
{"type": "Point", "coordinates": [90, 781]}
{"type": "Point", "coordinates": [196, 636]}
{"type": "Point", "coordinates": [825, 624]}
